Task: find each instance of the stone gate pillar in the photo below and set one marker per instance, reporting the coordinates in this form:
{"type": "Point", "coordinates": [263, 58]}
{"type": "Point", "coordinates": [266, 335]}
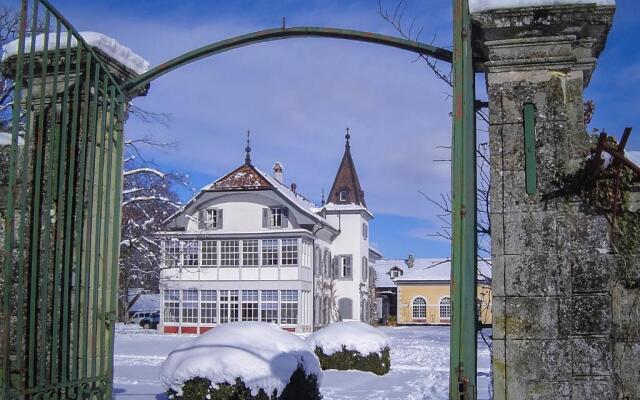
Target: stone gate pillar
{"type": "Point", "coordinates": [563, 328]}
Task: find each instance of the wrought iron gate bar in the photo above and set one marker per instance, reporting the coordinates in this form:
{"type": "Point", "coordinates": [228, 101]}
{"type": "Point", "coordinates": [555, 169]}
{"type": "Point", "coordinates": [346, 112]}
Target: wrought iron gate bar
{"type": "Point", "coordinates": [285, 33]}
{"type": "Point", "coordinates": [58, 263]}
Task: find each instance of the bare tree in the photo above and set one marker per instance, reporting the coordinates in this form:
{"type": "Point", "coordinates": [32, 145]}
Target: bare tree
{"type": "Point", "coordinates": [149, 198]}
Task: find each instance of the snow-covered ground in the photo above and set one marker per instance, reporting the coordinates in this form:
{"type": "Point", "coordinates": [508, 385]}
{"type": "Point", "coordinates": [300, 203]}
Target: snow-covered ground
{"type": "Point", "coordinates": [419, 367]}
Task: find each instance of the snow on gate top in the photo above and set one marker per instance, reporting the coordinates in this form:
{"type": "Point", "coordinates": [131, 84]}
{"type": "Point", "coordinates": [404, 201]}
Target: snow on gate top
{"type": "Point", "coordinates": [486, 5]}
{"type": "Point", "coordinates": [106, 44]}
{"type": "Point", "coordinates": [261, 354]}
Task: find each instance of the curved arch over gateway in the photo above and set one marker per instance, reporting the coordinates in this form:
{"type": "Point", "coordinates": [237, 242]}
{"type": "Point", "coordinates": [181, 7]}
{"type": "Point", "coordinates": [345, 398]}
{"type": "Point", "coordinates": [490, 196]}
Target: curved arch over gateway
{"type": "Point", "coordinates": [285, 33]}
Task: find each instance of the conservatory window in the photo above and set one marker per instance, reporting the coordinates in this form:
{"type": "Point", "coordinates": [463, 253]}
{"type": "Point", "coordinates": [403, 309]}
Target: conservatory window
{"type": "Point", "coordinates": [250, 253]}
{"type": "Point", "coordinates": [209, 253]}
{"type": "Point", "coordinates": [171, 252]}
{"type": "Point", "coordinates": [190, 253]}
{"type": "Point", "coordinates": [270, 252]}
{"type": "Point", "coordinates": [208, 306]}
{"type": "Point", "coordinates": [229, 253]}
{"type": "Point", "coordinates": [249, 305]}
{"type": "Point", "coordinates": [289, 249]}
{"type": "Point", "coordinates": [190, 306]}
{"type": "Point", "coordinates": [288, 307]}
{"type": "Point", "coordinates": [228, 306]}
{"type": "Point", "coordinates": [171, 306]}
{"type": "Point", "coordinates": [269, 306]}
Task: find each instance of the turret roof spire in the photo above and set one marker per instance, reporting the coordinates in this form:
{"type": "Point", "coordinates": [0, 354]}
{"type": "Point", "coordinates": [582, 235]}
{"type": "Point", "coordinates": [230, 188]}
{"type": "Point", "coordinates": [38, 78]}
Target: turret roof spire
{"type": "Point", "coordinates": [247, 157]}
{"type": "Point", "coordinates": [346, 186]}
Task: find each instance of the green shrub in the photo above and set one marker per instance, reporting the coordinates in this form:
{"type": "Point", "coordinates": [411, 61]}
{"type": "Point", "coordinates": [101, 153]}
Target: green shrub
{"type": "Point", "coordinates": [392, 320]}
{"type": "Point", "coordinates": [300, 387]}
{"type": "Point", "coordinates": [379, 364]}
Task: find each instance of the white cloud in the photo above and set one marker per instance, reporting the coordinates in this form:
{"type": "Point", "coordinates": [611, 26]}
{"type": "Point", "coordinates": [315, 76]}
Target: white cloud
{"type": "Point", "coordinates": [296, 97]}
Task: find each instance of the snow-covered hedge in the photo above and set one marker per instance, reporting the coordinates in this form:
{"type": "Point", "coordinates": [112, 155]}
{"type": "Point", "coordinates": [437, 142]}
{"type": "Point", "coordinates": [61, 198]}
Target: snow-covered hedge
{"type": "Point", "coordinates": [243, 360]}
{"type": "Point", "coordinates": [352, 345]}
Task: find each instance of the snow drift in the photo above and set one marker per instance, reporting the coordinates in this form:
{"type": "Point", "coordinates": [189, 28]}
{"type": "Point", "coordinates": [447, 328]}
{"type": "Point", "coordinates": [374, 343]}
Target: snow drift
{"type": "Point", "coordinates": [261, 354]}
{"type": "Point", "coordinates": [353, 335]}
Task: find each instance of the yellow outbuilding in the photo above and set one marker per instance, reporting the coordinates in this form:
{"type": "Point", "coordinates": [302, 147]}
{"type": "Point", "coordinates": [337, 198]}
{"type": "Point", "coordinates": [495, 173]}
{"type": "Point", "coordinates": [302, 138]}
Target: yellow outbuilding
{"type": "Point", "coordinates": [424, 292]}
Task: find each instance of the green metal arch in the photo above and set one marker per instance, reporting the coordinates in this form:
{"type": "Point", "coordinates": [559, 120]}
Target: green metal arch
{"type": "Point", "coordinates": [285, 33]}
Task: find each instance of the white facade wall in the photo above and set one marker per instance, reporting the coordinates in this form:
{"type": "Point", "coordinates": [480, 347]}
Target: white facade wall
{"type": "Point", "coordinates": [242, 219]}
{"type": "Point", "coordinates": [351, 242]}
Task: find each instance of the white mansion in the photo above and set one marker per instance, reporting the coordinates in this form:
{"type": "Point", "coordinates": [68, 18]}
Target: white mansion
{"type": "Point", "coordinates": [249, 248]}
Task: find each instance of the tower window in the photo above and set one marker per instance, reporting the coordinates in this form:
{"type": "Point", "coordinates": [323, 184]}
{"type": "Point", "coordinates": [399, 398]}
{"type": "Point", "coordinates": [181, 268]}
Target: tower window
{"type": "Point", "coordinates": [343, 195]}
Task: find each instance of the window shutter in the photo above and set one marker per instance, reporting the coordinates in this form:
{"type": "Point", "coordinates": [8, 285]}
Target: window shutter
{"type": "Point", "coordinates": [265, 217]}
{"type": "Point", "coordinates": [336, 267]}
{"type": "Point", "coordinates": [202, 219]}
{"type": "Point", "coordinates": [285, 217]}
{"type": "Point", "coordinates": [219, 221]}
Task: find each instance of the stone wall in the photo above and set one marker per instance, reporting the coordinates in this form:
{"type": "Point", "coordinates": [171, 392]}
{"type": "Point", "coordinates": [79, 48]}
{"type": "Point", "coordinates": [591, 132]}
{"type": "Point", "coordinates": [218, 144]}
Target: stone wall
{"type": "Point", "coordinates": [564, 326]}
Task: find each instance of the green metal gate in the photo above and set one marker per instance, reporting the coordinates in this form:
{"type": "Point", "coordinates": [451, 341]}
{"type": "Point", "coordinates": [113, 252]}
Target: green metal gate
{"type": "Point", "coordinates": [61, 214]}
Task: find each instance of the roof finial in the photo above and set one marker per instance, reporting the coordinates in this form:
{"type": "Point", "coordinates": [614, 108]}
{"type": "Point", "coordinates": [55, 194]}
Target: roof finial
{"type": "Point", "coordinates": [347, 136]}
{"type": "Point", "coordinates": [247, 158]}
{"type": "Point", "coordinates": [322, 201]}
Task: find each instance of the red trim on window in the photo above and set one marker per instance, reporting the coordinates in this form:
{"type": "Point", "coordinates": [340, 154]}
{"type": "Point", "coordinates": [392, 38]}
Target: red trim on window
{"type": "Point", "coordinates": [189, 329]}
{"type": "Point", "coordinates": [170, 329]}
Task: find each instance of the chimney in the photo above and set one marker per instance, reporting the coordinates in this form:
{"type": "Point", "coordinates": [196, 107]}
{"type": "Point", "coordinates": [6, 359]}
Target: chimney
{"type": "Point", "coordinates": [277, 172]}
{"type": "Point", "coordinates": [294, 187]}
{"type": "Point", "coordinates": [410, 261]}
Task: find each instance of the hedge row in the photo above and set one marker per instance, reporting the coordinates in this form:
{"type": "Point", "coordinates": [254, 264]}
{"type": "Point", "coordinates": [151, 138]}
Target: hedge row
{"type": "Point", "coordinates": [379, 364]}
{"type": "Point", "coordinates": [300, 387]}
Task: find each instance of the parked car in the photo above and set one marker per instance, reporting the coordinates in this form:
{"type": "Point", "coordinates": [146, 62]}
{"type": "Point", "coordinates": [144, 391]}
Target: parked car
{"type": "Point", "coordinates": [147, 320]}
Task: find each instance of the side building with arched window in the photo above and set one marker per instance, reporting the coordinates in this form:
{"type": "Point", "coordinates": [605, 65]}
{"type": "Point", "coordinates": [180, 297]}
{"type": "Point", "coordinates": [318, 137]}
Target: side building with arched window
{"type": "Point", "coordinates": [423, 292]}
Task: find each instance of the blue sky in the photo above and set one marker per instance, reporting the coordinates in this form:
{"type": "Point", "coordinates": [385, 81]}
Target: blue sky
{"type": "Point", "coordinates": [297, 97]}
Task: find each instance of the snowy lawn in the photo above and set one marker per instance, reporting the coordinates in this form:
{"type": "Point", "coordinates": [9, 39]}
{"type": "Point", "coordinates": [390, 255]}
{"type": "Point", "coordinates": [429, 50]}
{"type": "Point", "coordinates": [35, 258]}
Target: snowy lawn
{"type": "Point", "coordinates": [419, 366]}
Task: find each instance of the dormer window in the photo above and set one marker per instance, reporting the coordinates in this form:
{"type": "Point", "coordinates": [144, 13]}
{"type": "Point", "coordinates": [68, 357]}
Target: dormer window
{"type": "Point", "coordinates": [276, 217]}
{"type": "Point", "coordinates": [211, 219]}
{"type": "Point", "coordinates": [343, 195]}
{"type": "Point", "coordinates": [395, 273]}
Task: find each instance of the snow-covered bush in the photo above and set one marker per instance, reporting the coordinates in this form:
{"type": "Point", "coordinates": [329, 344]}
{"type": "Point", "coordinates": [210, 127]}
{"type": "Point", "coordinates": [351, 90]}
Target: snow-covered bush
{"type": "Point", "coordinates": [243, 360]}
{"type": "Point", "coordinates": [352, 345]}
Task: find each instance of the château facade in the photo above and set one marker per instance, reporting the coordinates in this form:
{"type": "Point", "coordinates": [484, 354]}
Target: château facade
{"type": "Point", "coordinates": [249, 248]}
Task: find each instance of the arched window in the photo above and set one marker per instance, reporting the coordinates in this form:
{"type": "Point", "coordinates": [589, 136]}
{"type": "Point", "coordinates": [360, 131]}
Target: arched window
{"type": "Point", "coordinates": [445, 308]}
{"type": "Point", "coordinates": [419, 308]}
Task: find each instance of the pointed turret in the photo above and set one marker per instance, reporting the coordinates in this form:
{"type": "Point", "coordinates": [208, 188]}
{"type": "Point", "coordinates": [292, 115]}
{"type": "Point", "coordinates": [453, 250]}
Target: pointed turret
{"type": "Point", "coordinates": [346, 186]}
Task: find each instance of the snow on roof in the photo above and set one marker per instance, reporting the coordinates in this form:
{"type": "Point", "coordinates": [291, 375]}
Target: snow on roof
{"type": "Point", "coordinates": [346, 207]}
{"type": "Point", "coordinates": [106, 44]}
{"type": "Point", "coordinates": [424, 269]}
{"type": "Point", "coordinates": [261, 354]}
{"type": "Point", "coordinates": [354, 335]}
{"type": "Point", "coordinates": [485, 5]}
{"type": "Point", "coordinates": [634, 155]}
{"type": "Point", "coordinates": [146, 302]}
